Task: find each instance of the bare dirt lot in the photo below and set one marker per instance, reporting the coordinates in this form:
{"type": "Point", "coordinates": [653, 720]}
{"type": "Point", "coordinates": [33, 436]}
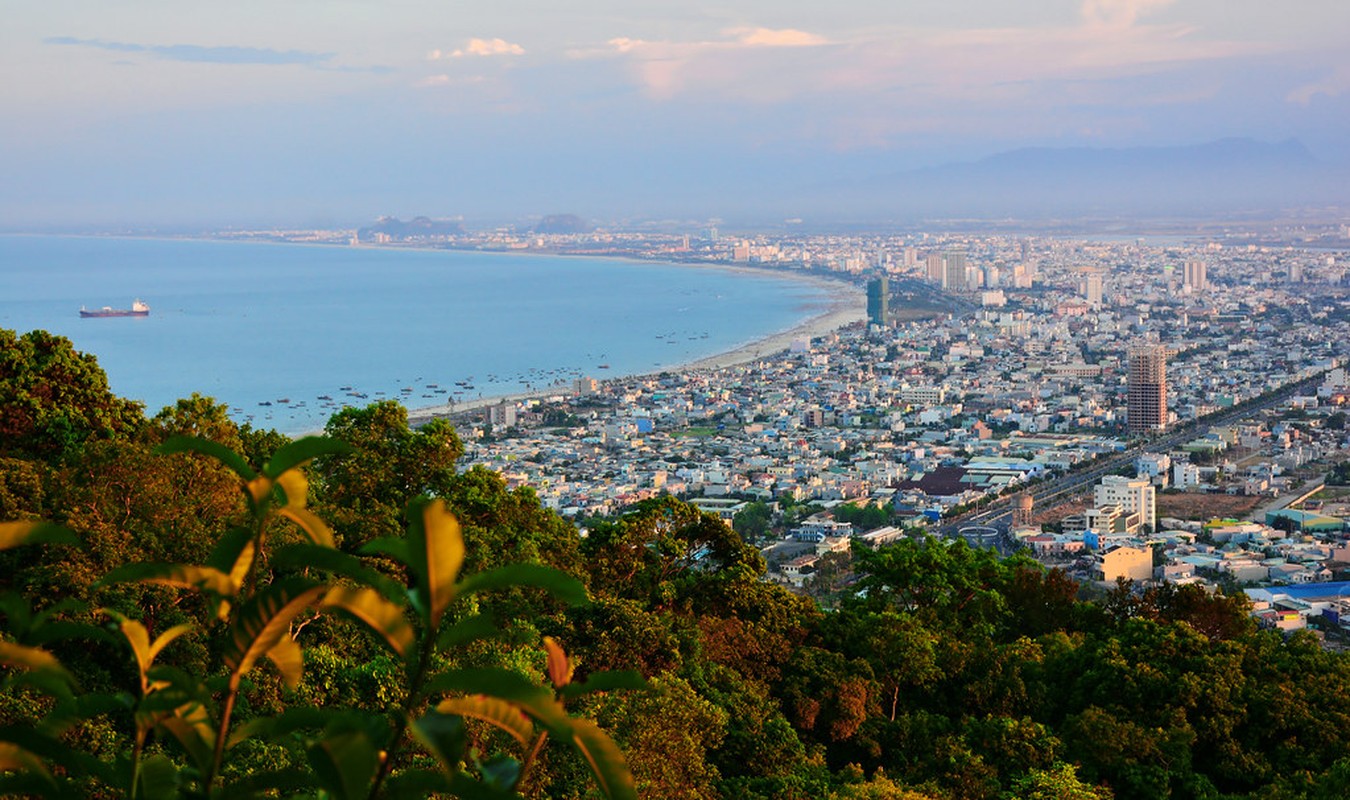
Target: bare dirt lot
{"type": "Point", "coordinates": [1204, 507]}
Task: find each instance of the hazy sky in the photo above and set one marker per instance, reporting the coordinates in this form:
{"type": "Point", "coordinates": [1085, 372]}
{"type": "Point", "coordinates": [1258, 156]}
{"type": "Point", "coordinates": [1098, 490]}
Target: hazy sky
{"type": "Point", "coordinates": [294, 111]}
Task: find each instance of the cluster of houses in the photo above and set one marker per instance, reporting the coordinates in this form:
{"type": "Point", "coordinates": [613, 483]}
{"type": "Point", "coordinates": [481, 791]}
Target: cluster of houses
{"type": "Point", "coordinates": [925, 415]}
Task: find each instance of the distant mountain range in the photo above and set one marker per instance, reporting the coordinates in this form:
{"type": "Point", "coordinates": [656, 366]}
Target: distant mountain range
{"type": "Point", "coordinates": [1229, 175]}
{"type": "Point", "coordinates": [416, 228]}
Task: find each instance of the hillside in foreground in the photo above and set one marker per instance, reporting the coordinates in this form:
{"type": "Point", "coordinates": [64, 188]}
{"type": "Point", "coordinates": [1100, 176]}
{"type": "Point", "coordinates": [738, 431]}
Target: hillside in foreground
{"type": "Point", "coordinates": [943, 672]}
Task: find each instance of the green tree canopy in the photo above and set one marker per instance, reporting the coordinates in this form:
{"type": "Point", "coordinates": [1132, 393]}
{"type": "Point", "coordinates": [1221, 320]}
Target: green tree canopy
{"type": "Point", "coordinates": [365, 491]}
{"type": "Point", "coordinates": [54, 398]}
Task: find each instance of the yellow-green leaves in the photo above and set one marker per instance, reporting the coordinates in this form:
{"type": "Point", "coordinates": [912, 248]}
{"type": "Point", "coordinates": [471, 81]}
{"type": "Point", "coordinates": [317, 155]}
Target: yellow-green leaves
{"type": "Point", "coordinates": [206, 447]}
{"type": "Point", "coordinates": [315, 528]}
{"type": "Point", "coordinates": [183, 576]}
{"type": "Point", "coordinates": [500, 714]}
{"type": "Point", "coordinates": [258, 489]}
{"type": "Point", "coordinates": [145, 651]}
{"type": "Point", "coordinates": [344, 762]}
{"type": "Point", "coordinates": [31, 659]}
{"type": "Point", "coordinates": [14, 534]}
{"type": "Point", "coordinates": [296, 487]}
{"type": "Point", "coordinates": [289, 660]}
{"type": "Point", "coordinates": [604, 758]}
{"type": "Point", "coordinates": [445, 555]}
{"type": "Point", "coordinates": [503, 699]}
{"type": "Point", "coordinates": [371, 608]}
{"type": "Point", "coordinates": [435, 553]}
{"type": "Point", "coordinates": [191, 726]}
{"type": "Point", "coordinates": [560, 668]}
{"type": "Point", "coordinates": [13, 757]}
{"type": "Point", "coordinates": [262, 621]}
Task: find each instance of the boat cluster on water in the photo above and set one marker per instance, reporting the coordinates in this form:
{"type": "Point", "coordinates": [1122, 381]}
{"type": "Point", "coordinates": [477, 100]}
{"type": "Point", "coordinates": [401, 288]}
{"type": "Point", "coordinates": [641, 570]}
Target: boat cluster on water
{"type": "Point", "coordinates": [420, 394]}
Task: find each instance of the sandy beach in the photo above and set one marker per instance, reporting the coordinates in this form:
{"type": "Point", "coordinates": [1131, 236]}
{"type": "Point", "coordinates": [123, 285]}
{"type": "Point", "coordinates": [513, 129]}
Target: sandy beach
{"type": "Point", "coordinates": [847, 305]}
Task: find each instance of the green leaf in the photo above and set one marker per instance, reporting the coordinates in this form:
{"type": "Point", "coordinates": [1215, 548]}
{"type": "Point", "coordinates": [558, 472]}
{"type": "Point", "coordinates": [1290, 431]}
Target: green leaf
{"type": "Point", "coordinates": [55, 751]}
{"type": "Point", "coordinates": [289, 660]}
{"type": "Point", "coordinates": [297, 718]}
{"type": "Point", "coordinates": [396, 549]}
{"type": "Point", "coordinates": [444, 736]}
{"type": "Point", "coordinates": [314, 527]}
{"type": "Point", "coordinates": [191, 727]}
{"type": "Point", "coordinates": [436, 547]}
{"type": "Point", "coordinates": [501, 772]}
{"type": "Point", "coordinates": [226, 554]}
{"type": "Point", "coordinates": [499, 683]}
{"type": "Point", "coordinates": [15, 534]}
{"type": "Point", "coordinates": [561, 585]}
{"type": "Point", "coordinates": [469, 629]}
{"type": "Point", "coordinates": [13, 757]}
{"type": "Point", "coordinates": [187, 688]}
{"type": "Point", "coordinates": [139, 639]}
{"type": "Point", "coordinates": [295, 486]}
{"type": "Point", "coordinates": [264, 619]}
{"type": "Point", "coordinates": [375, 611]}
{"type": "Point", "coordinates": [607, 681]}
{"type": "Point", "coordinates": [606, 762]}
{"type": "Point", "coordinates": [305, 556]}
{"type": "Point", "coordinates": [62, 630]}
{"type": "Point", "coordinates": [33, 659]}
{"type": "Point", "coordinates": [466, 788]}
{"type": "Point", "coordinates": [344, 763]}
{"type": "Point", "coordinates": [302, 450]}
{"type": "Point", "coordinates": [18, 613]}
{"type": "Point", "coordinates": [158, 778]}
{"type": "Point", "coordinates": [500, 714]}
{"type": "Point", "coordinates": [206, 447]}
{"type": "Point", "coordinates": [184, 576]}
{"type": "Point", "coordinates": [34, 784]}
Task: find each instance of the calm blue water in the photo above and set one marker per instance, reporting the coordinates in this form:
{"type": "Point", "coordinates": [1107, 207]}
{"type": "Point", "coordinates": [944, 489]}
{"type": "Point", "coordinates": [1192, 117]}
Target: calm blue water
{"type": "Point", "coordinates": [255, 323]}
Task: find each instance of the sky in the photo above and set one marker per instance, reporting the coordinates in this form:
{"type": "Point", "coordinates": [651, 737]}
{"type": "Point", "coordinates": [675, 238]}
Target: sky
{"type": "Point", "coordinates": [333, 112]}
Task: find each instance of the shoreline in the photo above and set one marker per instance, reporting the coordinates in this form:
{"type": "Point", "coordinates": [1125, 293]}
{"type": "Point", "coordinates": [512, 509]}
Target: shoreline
{"type": "Point", "coordinates": [844, 304]}
{"type": "Point", "coordinates": [847, 305]}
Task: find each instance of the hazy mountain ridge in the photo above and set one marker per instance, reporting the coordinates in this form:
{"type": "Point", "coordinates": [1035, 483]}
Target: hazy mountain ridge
{"type": "Point", "coordinates": [417, 227]}
{"type": "Point", "coordinates": [1223, 175]}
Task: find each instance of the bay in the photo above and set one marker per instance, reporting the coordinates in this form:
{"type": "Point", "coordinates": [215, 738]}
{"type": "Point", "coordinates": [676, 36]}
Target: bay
{"type": "Point", "coordinates": [269, 329]}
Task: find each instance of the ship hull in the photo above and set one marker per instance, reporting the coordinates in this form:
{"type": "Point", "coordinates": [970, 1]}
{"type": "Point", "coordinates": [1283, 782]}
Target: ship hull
{"type": "Point", "coordinates": [112, 312]}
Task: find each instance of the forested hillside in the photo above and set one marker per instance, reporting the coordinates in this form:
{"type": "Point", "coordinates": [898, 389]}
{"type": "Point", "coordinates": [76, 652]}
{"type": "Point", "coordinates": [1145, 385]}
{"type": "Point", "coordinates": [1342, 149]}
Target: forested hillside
{"type": "Point", "coordinates": [346, 650]}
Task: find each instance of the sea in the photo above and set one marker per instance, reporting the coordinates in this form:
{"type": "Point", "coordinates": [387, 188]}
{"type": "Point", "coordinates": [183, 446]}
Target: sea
{"type": "Point", "coordinates": [287, 334]}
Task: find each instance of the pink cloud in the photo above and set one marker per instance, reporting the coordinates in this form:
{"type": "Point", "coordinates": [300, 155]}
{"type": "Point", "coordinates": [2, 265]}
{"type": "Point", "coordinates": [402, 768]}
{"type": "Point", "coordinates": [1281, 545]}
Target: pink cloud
{"type": "Point", "coordinates": [769, 37]}
{"type": "Point", "coordinates": [480, 47]}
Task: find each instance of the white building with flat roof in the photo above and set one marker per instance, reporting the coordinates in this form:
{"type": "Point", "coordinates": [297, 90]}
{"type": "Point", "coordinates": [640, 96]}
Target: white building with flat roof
{"type": "Point", "coordinates": [1135, 495]}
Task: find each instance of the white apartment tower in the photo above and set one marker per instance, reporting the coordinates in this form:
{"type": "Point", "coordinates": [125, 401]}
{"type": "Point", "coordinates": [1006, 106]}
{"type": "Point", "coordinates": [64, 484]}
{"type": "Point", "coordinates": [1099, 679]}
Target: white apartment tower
{"type": "Point", "coordinates": [1091, 287]}
{"type": "Point", "coordinates": [1135, 495]}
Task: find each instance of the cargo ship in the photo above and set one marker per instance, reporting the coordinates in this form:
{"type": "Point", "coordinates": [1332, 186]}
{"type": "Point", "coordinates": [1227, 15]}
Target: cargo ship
{"type": "Point", "coordinates": [138, 309]}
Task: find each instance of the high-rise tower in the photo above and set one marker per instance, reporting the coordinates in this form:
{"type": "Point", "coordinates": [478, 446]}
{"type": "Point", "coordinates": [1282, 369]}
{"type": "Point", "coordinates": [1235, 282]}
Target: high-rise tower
{"type": "Point", "coordinates": [1090, 286]}
{"type": "Point", "coordinates": [1146, 403]}
{"type": "Point", "coordinates": [1194, 277]}
{"type": "Point", "coordinates": [879, 301]}
{"type": "Point", "coordinates": [954, 271]}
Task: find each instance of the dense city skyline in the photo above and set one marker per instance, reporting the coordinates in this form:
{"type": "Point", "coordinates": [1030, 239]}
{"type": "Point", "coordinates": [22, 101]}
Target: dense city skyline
{"type": "Point", "coordinates": [313, 113]}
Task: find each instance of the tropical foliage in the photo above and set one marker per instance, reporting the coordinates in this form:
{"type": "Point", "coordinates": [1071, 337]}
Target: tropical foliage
{"type": "Point", "coordinates": [260, 587]}
{"type": "Point", "coordinates": [216, 610]}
